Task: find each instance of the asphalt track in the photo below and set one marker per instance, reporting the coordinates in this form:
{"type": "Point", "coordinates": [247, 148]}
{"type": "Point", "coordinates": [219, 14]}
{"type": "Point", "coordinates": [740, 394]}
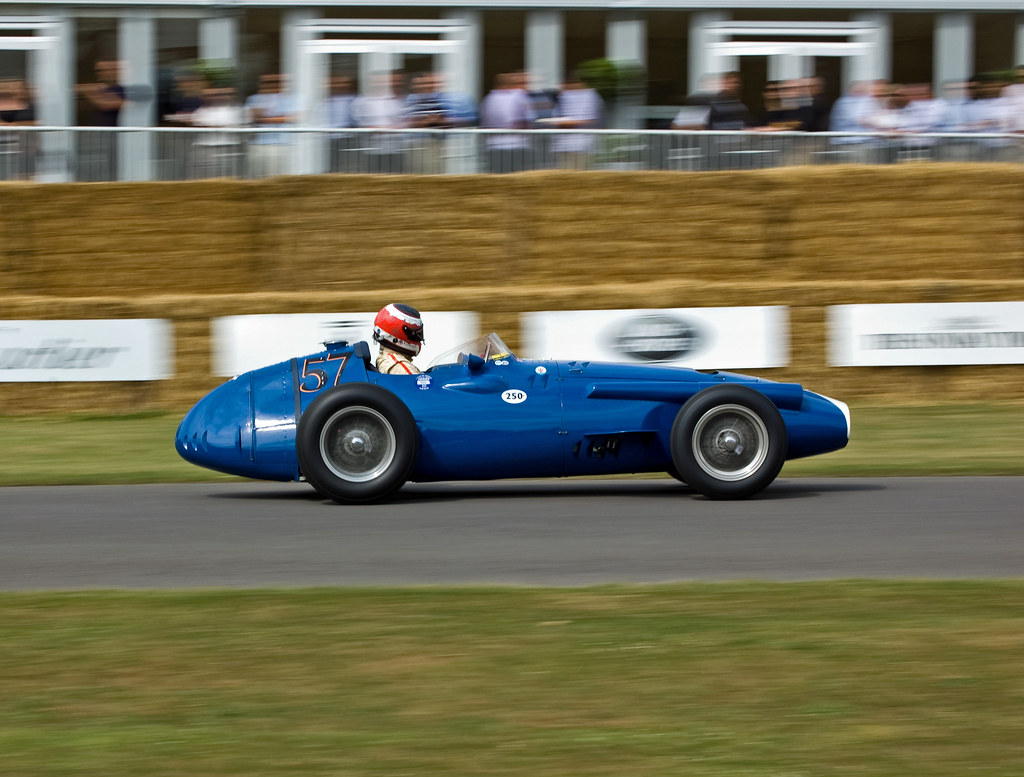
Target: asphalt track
{"type": "Point", "coordinates": [558, 533]}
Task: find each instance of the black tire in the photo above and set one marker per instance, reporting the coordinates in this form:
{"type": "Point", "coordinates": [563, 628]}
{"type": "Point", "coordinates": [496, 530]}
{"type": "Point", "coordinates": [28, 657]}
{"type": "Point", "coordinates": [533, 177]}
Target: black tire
{"type": "Point", "coordinates": [356, 443]}
{"type": "Point", "coordinates": [673, 472]}
{"type": "Point", "coordinates": [729, 442]}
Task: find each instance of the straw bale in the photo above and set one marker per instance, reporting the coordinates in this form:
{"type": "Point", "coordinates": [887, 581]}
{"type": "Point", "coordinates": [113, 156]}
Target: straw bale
{"type": "Point", "coordinates": [403, 227]}
{"type": "Point", "coordinates": [339, 232]}
{"type": "Point", "coordinates": [126, 238]}
{"type": "Point", "coordinates": [801, 237]}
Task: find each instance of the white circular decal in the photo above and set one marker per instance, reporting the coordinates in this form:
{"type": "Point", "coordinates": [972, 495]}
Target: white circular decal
{"type": "Point", "coordinates": [541, 370]}
{"type": "Point", "coordinates": [513, 396]}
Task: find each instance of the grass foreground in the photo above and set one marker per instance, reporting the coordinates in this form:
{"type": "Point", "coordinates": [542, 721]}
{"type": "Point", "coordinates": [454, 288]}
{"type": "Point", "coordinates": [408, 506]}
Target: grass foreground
{"type": "Point", "coordinates": [980, 439]}
{"type": "Point", "coordinates": [849, 678]}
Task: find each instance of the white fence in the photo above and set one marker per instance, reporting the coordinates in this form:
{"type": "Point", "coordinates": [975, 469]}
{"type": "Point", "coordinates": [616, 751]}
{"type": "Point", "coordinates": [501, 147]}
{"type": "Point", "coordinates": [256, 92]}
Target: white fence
{"type": "Point", "coordinates": [50, 154]}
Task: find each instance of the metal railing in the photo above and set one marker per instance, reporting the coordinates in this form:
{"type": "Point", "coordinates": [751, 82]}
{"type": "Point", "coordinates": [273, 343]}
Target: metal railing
{"type": "Point", "coordinates": [49, 154]}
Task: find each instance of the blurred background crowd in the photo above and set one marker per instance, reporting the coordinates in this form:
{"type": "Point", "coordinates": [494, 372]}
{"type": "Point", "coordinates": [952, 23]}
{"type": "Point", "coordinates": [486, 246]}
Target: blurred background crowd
{"type": "Point", "coordinates": [403, 121]}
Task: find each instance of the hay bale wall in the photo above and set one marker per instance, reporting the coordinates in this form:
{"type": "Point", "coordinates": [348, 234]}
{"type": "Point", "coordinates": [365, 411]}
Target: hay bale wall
{"type": "Point", "coordinates": [802, 237]}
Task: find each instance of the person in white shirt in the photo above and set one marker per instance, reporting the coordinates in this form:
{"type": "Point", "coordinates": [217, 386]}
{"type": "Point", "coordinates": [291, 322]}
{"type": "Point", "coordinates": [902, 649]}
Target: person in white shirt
{"type": "Point", "coordinates": [578, 106]}
{"type": "Point", "coordinates": [508, 106]}
{"type": "Point", "coordinates": [271, 106]}
{"type": "Point", "coordinates": [851, 114]}
{"type": "Point", "coordinates": [382, 109]}
{"type": "Point", "coordinates": [336, 113]}
{"type": "Point", "coordinates": [991, 113]}
{"type": "Point", "coordinates": [1013, 94]}
{"type": "Point", "coordinates": [921, 116]}
{"type": "Point", "coordinates": [217, 154]}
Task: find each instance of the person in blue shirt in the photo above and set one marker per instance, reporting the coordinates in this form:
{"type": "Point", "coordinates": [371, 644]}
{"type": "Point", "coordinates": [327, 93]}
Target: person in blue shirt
{"type": "Point", "coordinates": [271, 106]}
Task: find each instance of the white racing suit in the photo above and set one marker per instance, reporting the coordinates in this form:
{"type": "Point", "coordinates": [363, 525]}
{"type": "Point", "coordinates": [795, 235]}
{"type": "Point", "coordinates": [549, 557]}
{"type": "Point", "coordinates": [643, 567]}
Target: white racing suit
{"type": "Point", "coordinates": [391, 362]}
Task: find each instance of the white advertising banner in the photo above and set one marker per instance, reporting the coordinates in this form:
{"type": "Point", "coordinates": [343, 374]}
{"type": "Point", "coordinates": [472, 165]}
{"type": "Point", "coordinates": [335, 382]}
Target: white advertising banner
{"type": "Point", "coordinates": [85, 350]}
{"type": "Point", "coordinates": [926, 334]}
{"type": "Point", "coordinates": [700, 338]}
{"type": "Point", "coordinates": [243, 343]}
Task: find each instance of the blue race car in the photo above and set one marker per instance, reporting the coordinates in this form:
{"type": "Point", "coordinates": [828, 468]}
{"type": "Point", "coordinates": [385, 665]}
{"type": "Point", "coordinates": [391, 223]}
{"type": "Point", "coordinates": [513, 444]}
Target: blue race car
{"type": "Point", "coordinates": [480, 413]}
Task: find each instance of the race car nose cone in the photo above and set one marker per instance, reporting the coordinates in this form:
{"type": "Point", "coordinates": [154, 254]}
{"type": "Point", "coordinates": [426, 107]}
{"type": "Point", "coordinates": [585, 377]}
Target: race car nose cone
{"type": "Point", "coordinates": [217, 432]}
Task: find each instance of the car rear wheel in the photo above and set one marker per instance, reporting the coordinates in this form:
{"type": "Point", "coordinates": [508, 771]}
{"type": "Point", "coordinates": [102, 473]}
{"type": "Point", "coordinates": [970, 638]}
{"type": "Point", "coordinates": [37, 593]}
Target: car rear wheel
{"type": "Point", "coordinates": [729, 442]}
{"type": "Point", "coordinates": [356, 443]}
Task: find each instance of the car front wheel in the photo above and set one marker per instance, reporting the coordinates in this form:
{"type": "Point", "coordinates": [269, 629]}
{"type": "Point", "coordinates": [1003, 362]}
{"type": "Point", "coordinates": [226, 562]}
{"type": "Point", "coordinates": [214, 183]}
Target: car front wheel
{"type": "Point", "coordinates": [356, 443]}
{"type": "Point", "coordinates": [729, 442]}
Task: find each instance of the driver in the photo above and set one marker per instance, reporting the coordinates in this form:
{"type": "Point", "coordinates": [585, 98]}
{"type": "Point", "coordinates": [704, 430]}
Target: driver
{"type": "Point", "coordinates": [398, 329]}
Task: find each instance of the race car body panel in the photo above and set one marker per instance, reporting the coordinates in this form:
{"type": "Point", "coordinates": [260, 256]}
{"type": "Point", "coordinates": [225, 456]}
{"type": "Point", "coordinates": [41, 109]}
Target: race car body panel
{"type": "Point", "coordinates": [490, 415]}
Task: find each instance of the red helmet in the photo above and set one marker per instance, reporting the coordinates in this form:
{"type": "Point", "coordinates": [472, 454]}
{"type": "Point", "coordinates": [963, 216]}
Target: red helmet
{"type": "Point", "coordinates": [400, 327]}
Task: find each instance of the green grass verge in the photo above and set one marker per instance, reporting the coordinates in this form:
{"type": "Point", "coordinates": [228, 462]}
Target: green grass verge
{"type": "Point", "coordinates": [64, 450]}
{"type": "Point", "coordinates": [933, 440]}
{"type": "Point", "coordinates": [979, 439]}
{"type": "Point", "coordinates": [855, 678]}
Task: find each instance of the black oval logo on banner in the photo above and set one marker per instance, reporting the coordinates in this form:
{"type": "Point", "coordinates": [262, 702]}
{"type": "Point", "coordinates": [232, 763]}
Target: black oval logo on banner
{"type": "Point", "coordinates": [655, 338]}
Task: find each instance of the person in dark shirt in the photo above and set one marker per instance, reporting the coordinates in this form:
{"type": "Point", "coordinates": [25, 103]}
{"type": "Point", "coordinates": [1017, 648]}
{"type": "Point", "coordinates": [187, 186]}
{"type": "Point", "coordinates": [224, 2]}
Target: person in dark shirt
{"type": "Point", "coordinates": [16, 147]}
{"type": "Point", "coordinates": [816, 108]}
{"type": "Point", "coordinates": [97, 156]}
{"type": "Point", "coordinates": [727, 111]}
{"type": "Point", "coordinates": [106, 97]}
{"type": "Point", "coordinates": [15, 107]}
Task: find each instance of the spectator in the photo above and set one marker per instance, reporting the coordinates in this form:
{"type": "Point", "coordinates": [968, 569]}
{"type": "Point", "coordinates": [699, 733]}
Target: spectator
{"type": "Point", "coordinates": [989, 112]}
{"type": "Point", "coordinates": [103, 100]}
{"type": "Point", "coordinates": [507, 106]}
{"type": "Point", "coordinates": [543, 101]}
{"type": "Point", "coordinates": [425, 108]}
{"type": "Point", "coordinates": [814, 108]}
{"type": "Point", "coordinates": [888, 118]}
{"type": "Point", "coordinates": [888, 121]}
{"type": "Point", "coordinates": [16, 110]}
{"type": "Point", "coordinates": [782, 106]}
{"type": "Point", "coordinates": [922, 115]}
{"type": "Point", "coordinates": [727, 110]}
{"type": "Point", "coordinates": [459, 106]}
{"type": "Point", "coordinates": [952, 101]}
{"type": "Point", "coordinates": [381, 109]}
{"type": "Point", "coordinates": [338, 114]}
{"type": "Point", "coordinates": [186, 97]}
{"type": "Point", "coordinates": [852, 114]}
{"type": "Point", "coordinates": [802, 107]}
{"type": "Point", "coordinates": [694, 115]}
{"type": "Point", "coordinates": [776, 114]}
{"type": "Point", "coordinates": [579, 106]}
{"type": "Point", "coordinates": [399, 85]}
{"type": "Point", "coordinates": [1013, 94]}
{"type": "Point", "coordinates": [271, 106]}
{"type": "Point", "coordinates": [218, 154]}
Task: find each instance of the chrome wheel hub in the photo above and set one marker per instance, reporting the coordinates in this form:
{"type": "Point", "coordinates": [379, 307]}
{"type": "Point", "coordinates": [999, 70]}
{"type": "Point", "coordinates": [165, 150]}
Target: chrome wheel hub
{"type": "Point", "coordinates": [357, 444]}
{"type": "Point", "coordinates": [730, 442]}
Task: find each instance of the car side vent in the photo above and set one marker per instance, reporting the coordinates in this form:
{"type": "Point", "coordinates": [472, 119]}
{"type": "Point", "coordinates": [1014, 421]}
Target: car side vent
{"type": "Point", "coordinates": [597, 447]}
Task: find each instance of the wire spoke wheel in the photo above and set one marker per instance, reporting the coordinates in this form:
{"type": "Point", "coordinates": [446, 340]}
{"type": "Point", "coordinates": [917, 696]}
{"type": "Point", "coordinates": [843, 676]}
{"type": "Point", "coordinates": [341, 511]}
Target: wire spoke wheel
{"type": "Point", "coordinates": [357, 444]}
{"type": "Point", "coordinates": [730, 442]}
